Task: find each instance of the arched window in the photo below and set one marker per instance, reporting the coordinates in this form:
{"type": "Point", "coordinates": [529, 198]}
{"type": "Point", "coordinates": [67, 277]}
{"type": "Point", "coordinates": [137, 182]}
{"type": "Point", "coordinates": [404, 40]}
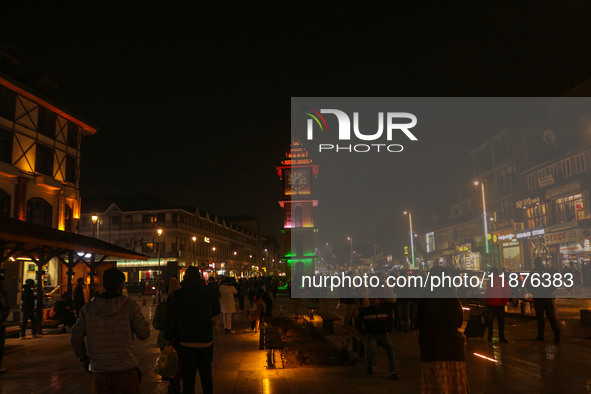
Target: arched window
{"type": "Point", "coordinates": [68, 218]}
{"type": "Point", "coordinates": [298, 216]}
{"type": "Point", "coordinates": [4, 203]}
{"type": "Point", "coordinates": [39, 211]}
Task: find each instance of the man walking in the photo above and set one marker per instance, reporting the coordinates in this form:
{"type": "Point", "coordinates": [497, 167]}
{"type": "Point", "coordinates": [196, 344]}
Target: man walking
{"type": "Point", "coordinates": [375, 322]}
{"type": "Point", "coordinates": [543, 302]}
{"type": "Point", "coordinates": [28, 309]}
{"type": "Point", "coordinates": [189, 325]}
{"type": "Point", "coordinates": [79, 300]}
{"type": "Point", "coordinates": [109, 322]}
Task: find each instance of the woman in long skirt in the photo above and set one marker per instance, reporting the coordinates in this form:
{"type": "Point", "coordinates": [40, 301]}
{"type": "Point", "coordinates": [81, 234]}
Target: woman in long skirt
{"type": "Point", "coordinates": [443, 360]}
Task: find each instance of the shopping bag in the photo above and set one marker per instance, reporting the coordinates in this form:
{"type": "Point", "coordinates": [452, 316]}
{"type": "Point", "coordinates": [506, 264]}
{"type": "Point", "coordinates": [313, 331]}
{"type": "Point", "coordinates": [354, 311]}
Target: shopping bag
{"type": "Point", "coordinates": [476, 326]}
{"type": "Point", "coordinates": [167, 364]}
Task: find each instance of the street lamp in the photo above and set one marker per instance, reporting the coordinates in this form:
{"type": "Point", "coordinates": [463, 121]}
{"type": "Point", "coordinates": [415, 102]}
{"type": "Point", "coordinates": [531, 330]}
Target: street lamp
{"type": "Point", "coordinates": [266, 257]}
{"type": "Point", "coordinates": [213, 258]}
{"type": "Point", "coordinates": [194, 243]}
{"type": "Point", "coordinates": [412, 238]}
{"type": "Point", "coordinates": [476, 183]}
{"type": "Point", "coordinates": [95, 224]}
{"type": "Point", "coordinates": [351, 258]}
{"type": "Point", "coordinates": [159, 231]}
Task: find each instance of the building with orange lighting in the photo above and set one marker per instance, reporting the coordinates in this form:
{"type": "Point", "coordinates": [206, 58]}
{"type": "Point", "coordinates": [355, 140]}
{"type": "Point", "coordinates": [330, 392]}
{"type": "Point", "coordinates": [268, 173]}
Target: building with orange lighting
{"type": "Point", "coordinates": [39, 170]}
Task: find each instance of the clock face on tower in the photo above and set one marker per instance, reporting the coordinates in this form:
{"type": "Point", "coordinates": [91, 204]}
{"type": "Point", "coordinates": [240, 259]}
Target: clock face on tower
{"type": "Point", "coordinates": [297, 182]}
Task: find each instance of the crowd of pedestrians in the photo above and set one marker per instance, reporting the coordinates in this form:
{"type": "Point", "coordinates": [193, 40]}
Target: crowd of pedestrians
{"type": "Point", "coordinates": [102, 331]}
{"type": "Point", "coordinates": [438, 317]}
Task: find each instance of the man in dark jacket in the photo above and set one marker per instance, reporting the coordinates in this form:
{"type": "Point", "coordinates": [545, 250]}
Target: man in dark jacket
{"type": "Point", "coordinates": [375, 323]}
{"type": "Point", "coordinates": [543, 301]}
{"type": "Point", "coordinates": [189, 325]}
{"type": "Point", "coordinates": [28, 309]}
{"type": "Point", "coordinates": [79, 300]}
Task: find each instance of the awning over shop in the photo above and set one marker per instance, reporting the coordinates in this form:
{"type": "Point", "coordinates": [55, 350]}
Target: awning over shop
{"type": "Point", "coordinates": [21, 237]}
{"type": "Point", "coordinates": [40, 244]}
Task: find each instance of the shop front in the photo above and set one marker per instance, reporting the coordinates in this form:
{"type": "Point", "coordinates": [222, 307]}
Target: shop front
{"type": "Point", "coordinates": [569, 246]}
{"type": "Point", "coordinates": [509, 249]}
{"type": "Point", "coordinates": [533, 245]}
{"type": "Point", "coordinates": [466, 259]}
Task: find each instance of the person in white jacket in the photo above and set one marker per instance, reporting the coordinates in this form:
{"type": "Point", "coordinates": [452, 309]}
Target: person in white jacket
{"type": "Point", "coordinates": [110, 322]}
{"type": "Point", "coordinates": [228, 304]}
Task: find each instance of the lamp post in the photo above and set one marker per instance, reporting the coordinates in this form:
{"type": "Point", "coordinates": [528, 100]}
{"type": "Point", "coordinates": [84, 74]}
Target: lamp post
{"type": "Point", "coordinates": [194, 243]}
{"type": "Point", "coordinates": [266, 257]}
{"type": "Point", "coordinates": [412, 240]}
{"type": "Point", "coordinates": [481, 183]}
{"type": "Point", "coordinates": [213, 259]}
{"type": "Point", "coordinates": [351, 257]}
{"type": "Point", "coordinates": [95, 224]}
{"type": "Point", "coordinates": [159, 232]}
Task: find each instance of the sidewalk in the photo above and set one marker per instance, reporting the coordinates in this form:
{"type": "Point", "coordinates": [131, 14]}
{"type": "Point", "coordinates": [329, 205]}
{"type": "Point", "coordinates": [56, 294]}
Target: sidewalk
{"type": "Point", "coordinates": [48, 365]}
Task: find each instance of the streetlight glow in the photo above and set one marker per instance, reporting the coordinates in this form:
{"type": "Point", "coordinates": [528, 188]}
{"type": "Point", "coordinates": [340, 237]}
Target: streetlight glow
{"type": "Point", "coordinates": [159, 231]}
{"type": "Point", "coordinates": [476, 183]}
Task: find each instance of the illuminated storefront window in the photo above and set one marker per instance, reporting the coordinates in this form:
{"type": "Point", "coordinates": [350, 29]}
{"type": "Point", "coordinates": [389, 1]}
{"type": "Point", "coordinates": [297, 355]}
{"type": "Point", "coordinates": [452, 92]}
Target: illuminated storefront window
{"type": "Point", "coordinates": [512, 256]}
{"type": "Point", "coordinates": [149, 275]}
{"type": "Point", "coordinates": [568, 209]}
{"type": "Point", "coordinates": [430, 238]}
{"type": "Point", "coordinates": [537, 216]}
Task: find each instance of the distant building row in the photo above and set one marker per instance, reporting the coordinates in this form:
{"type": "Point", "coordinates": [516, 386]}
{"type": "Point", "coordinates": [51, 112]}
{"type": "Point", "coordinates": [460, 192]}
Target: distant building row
{"type": "Point", "coordinates": [537, 188]}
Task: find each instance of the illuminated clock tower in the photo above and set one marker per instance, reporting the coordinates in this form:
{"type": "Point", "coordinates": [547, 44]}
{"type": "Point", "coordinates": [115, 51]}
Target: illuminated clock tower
{"type": "Point", "coordinates": [298, 173]}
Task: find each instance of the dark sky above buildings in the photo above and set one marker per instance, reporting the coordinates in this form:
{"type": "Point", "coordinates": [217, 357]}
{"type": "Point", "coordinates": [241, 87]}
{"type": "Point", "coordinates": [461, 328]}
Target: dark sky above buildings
{"type": "Point", "coordinates": [193, 102]}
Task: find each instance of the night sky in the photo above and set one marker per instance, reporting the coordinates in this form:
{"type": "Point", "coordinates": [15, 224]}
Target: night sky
{"type": "Point", "coordinates": [193, 103]}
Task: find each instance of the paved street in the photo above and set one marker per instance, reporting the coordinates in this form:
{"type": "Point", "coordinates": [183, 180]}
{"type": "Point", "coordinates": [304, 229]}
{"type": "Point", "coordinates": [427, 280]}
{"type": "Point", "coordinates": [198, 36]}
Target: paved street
{"type": "Point", "coordinates": [523, 365]}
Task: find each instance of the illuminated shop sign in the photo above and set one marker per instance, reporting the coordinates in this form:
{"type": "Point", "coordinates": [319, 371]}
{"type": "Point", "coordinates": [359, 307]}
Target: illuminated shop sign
{"type": "Point", "coordinates": [526, 201]}
{"type": "Point", "coordinates": [506, 237]}
{"type": "Point", "coordinates": [464, 248]}
{"type": "Point", "coordinates": [573, 235]}
{"type": "Point", "coordinates": [546, 180]}
{"type": "Point", "coordinates": [530, 233]}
